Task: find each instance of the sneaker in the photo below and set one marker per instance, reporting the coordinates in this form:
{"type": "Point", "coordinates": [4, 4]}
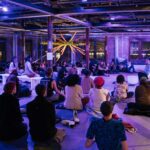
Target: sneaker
{"type": "Point", "coordinates": [68, 123]}
{"type": "Point", "coordinates": [131, 130]}
{"type": "Point", "coordinates": [75, 117]}
{"type": "Point", "coordinates": [76, 120]}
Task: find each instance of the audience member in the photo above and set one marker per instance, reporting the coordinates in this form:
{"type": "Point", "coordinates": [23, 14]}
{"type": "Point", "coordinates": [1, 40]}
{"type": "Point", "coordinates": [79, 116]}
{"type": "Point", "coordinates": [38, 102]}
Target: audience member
{"type": "Point", "coordinates": [107, 132]}
{"type": "Point", "coordinates": [72, 70]}
{"type": "Point", "coordinates": [147, 67]}
{"type": "Point", "coordinates": [28, 68]}
{"type": "Point", "coordinates": [74, 95]}
{"type": "Point", "coordinates": [13, 64]}
{"type": "Point", "coordinates": [121, 88]}
{"type": "Point", "coordinates": [41, 114]}
{"type": "Point", "coordinates": [142, 92]}
{"type": "Point", "coordinates": [11, 122]}
{"type": "Point", "coordinates": [86, 81]}
{"type": "Point", "coordinates": [21, 90]}
{"type": "Point", "coordinates": [52, 87]}
{"type": "Point", "coordinates": [130, 67]}
{"type": "Point", "coordinates": [142, 99]}
{"type": "Point", "coordinates": [113, 67]}
{"type": "Point", "coordinates": [98, 94]}
{"type": "Point", "coordinates": [61, 78]}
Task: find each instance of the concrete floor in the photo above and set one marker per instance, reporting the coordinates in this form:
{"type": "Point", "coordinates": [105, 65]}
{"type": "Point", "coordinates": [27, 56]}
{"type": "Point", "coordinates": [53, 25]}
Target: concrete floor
{"type": "Point", "coordinates": [75, 137]}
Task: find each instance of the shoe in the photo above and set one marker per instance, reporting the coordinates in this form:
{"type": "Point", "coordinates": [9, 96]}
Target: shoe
{"type": "Point", "coordinates": [131, 130]}
{"type": "Point", "coordinates": [69, 123]}
{"type": "Point", "coordinates": [76, 120]}
{"type": "Point", "coordinates": [75, 117]}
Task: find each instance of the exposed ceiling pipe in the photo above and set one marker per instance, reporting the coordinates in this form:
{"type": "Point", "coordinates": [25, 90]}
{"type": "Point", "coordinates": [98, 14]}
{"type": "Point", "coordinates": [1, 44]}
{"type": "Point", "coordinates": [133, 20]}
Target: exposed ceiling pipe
{"type": "Point", "coordinates": [102, 10]}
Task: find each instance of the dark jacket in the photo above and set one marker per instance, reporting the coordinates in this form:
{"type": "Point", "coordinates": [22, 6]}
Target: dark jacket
{"type": "Point", "coordinates": [14, 78]}
{"type": "Point", "coordinates": [142, 95]}
{"type": "Point", "coordinates": [11, 126]}
{"type": "Point", "coordinates": [41, 114]}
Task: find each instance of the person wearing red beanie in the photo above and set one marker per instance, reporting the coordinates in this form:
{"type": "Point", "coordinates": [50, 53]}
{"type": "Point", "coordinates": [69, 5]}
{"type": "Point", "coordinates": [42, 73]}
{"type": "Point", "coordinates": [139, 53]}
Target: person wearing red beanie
{"type": "Point", "coordinates": [98, 94]}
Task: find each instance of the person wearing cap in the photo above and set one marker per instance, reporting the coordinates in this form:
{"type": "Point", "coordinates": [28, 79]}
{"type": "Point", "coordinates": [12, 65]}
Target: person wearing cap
{"type": "Point", "coordinates": [11, 122]}
{"type": "Point", "coordinates": [98, 94]}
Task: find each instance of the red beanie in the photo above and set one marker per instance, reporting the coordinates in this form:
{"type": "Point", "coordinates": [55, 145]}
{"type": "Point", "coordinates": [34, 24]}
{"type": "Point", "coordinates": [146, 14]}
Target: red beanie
{"type": "Point", "coordinates": [99, 81]}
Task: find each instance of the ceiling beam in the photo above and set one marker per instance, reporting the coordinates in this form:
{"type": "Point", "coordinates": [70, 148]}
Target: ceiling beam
{"type": "Point", "coordinates": [101, 10]}
{"type": "Point", "coordinates": [45, 10]}
{"type": "Point", "coordinates": [87, 24]}
{"type": "Point", "coordinates": [117, 25]}
{"type": "Point", "coordinates": [27, 5]}
{"type": "Point", "coordinates": [22, 16]}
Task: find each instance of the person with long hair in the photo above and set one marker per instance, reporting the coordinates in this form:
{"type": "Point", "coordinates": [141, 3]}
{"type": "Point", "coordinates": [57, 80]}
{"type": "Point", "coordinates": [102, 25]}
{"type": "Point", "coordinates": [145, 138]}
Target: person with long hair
{"type": "Point", "coordinates": [13, 65]}
{"type": "Point", "coordinates": [53, 93]}
{"type": "Point", "coordinates": [28, 68]}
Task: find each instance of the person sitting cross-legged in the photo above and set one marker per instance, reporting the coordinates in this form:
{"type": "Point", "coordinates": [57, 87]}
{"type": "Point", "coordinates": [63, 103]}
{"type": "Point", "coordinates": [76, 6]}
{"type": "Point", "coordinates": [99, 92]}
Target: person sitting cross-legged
{"type": "Point", "coordinates": [54, 95]}
{"type": "Point", "coordinates": [74, 96]}
{"type": "Point", "coordinates": [41, 114]}
{"type": "Point", "coordinates": [108, 133]}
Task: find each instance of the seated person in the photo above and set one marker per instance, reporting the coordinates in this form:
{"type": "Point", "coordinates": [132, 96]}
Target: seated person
{"type": "Point", "coordinates": [61, 78]}
{"type": "Point", "coordinates": [13, 65]}
{"type": "Point", "coordinates": [41, 114]}
{"type": "Point", "coordinates": [21, 90]}
{"type": "Point", "coordinates": [142, 92]}
{"type": "Point", "coordinates": [147, 67]}
{"type": "Point", "coordinates": [73, 70]}
{"type": "Point", "coordinates": [11, 122]}
{"type": "Point", "coordinates": [98, 94]}
{"type": "Point", "coordinates": [73, 95]}
{"type": "Point", "coordinates": [52, 87]}
{"type": "Point", "coordinates": [28, 68]}
{"type": "Point", "coordinates": [86, 81]}
{"type": "Point", "coordinates": [121, 88]}
{"type": "Point", "coordinates": [102, 68]}
{"type": "Point", "coordinates": [130, 67]}
{"type": "Point", "coordinates": [108, 133]}
{"type": "Point", "coordinates": [113, 66]}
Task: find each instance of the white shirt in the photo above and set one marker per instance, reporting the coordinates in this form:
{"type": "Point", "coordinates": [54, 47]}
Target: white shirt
{"type": "Point", "coordinates": [73, 95]}
{"type": "Point", "coordinates": [12, 67]}
{"type": "Point", "coordinates": [97, 96]}
{"type": "Point", "coordinates": [120, 90]}
{"type": "Point", "coordinates": [28, 69]}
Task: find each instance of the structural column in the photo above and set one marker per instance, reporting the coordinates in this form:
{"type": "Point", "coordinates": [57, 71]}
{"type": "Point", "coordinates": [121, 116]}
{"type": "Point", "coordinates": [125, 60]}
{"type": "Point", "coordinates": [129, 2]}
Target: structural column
{"type": "Point", "coordinates": [95, 49]}
{"type": "Point", "coordinates": [116, 46]}
{"type": "Point", "coordinates": [35, 48]}
{"type": "Point", "coordinates": [15, 44]}
{"type": "Point", "coordinates": [23, 47]}
{"type": "Point", "coordinates": [9, 48]}
{"type": "Point", "coordinates": [87, 46]}
{"type": "Point", "coordinates": [73, 57]}
{"type": "Point", "coordinates": [50, 41]}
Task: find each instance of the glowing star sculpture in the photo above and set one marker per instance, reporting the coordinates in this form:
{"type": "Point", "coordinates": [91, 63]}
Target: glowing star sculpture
{"type": "Point", "coordinates": [62, 44]}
